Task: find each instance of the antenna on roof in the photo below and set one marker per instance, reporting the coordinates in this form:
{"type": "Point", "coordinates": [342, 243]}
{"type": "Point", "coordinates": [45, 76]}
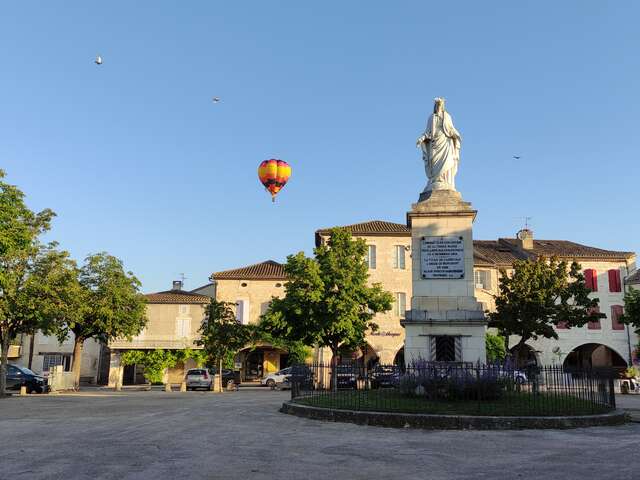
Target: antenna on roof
{"type": "Point", "coordinates": [183, 277]}
{"type": "Point", "coordinates": [527, 222]}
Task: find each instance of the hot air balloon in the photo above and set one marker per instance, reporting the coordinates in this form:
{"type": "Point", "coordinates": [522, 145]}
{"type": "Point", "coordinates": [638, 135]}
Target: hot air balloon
{"type": "Point", "coordinates": [274, 174]}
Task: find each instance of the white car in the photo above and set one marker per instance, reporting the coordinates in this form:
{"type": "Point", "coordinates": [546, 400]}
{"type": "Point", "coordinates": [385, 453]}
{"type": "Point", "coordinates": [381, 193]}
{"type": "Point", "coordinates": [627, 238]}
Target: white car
{"type": "Point", "coordinates": [274, 379]}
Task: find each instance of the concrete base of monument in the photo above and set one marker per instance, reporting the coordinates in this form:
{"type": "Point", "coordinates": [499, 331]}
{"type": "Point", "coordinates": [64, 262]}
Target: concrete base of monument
{"type": "Point", "coordinates": [453, 422]}
{"type": "Point", "coordinates": [422, 328]}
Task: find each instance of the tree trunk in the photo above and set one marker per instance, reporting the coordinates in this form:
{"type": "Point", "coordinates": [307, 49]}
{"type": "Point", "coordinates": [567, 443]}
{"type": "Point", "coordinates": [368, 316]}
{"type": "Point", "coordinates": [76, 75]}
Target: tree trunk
{"type": "Point", "coordinates": [77, 361]}
{"type": "Point", "coordinates": [31, 347]}
{"type": "Point", "coordinates": [3, 365]}
{"type": "Point", "coordinates": [334, 364]}
{"type": "Point", "coordinates": [220, 375]}
{"type": "Point", "coordinates": [518, 348]}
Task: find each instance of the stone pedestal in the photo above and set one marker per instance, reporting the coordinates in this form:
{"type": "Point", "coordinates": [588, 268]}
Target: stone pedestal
{"type": "Point", "coordinates": [443, 302]}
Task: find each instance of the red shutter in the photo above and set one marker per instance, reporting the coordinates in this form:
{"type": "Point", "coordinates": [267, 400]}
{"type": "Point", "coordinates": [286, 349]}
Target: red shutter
{"type": "Point", "coordinates": [616, 312]}
{"type": "Point", "coordinates": [594, 325]}
{"type": "Point", "coordinates": [591, 279]}
{"type": "Point", "coordinates": [561, 326]}
{"type": "Point", "coordinates": [614, 280]}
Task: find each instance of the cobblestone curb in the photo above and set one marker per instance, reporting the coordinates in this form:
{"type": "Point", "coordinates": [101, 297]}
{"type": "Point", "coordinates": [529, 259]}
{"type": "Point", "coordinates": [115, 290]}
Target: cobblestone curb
{"type": "Point", "coordinates": [452, 422]}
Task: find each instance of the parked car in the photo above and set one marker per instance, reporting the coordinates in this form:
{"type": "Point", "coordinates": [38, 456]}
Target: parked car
{"type": "Point", "coordinates": [346, 376]}
{"type": "Point", "coordinates": [276, 378]}
{"type": "Point", "coordinates": [21, 376]}
{"type": "Point", "coordinates": [518, 376]}
{"type": "Point", "coordinates": [302, 376]}
{"type": "Point", "coordinates": [203, 378]}
{"type": "Point", "coordinates": [384, 376]}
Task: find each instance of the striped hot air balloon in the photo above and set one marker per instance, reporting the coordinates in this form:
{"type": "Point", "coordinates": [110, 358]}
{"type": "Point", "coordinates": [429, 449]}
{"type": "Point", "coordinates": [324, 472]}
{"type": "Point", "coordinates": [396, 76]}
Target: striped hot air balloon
{"type": "Point", "coordinates": [274, 174]}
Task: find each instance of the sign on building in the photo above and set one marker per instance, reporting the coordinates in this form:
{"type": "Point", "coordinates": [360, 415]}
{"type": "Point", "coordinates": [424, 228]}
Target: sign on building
{"type": "Point", "coordinates": [442, 257]}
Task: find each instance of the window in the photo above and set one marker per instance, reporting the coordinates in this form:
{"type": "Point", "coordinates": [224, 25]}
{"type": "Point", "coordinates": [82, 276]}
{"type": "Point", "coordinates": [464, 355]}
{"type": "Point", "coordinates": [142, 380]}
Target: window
{"type": "Point", "coordinates": [594, 325]}
{"type": "Point", "coordinates": [482, 279]}
{"type": "Point", "coordinates": [616, 312]}
{"type": "Point", "coordinates": [591, 279]}
{"type": "Point", "coordinates": [398, 257]}
{"type": "Point", "coordinates": [242, 311]}
{"type": "Point", "coordinates": [401, 304]}
{"type": "Point", "coordinates": [615, 285]}
{"type": "Point", "coordinates": [55, 359]}
{"type": "Point", "coordinates": [371, 256]}
{"type": "Point", "coordinates": [183, 327]}
{"type": "Point", "coordinates": [184, 309]}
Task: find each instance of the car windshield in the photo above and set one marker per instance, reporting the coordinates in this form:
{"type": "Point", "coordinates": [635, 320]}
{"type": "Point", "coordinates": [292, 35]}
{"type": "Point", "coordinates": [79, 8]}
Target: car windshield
{"type": "Point", "coordinates": [284, 372]}
{"type": "Point", "coordinates": [196, 372]}
{"type": "Point", "coordinates": [26, 371]}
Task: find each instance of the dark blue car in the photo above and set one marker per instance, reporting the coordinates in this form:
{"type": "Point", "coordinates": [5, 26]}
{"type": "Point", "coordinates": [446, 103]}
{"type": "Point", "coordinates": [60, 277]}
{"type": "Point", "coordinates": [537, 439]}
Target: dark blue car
{"type": "Point", "coordinates": [22, 376]}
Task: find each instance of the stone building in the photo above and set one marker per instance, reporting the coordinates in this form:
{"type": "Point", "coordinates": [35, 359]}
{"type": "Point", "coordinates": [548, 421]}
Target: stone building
{"type": "Point", "coordinates": [251, 289]}
{"type": "Point", "coordinates": [174, 318]}
{"type": "Point", "coordinates": [389, 249]}
{"type": "Point", "coordinates": [40, 352]}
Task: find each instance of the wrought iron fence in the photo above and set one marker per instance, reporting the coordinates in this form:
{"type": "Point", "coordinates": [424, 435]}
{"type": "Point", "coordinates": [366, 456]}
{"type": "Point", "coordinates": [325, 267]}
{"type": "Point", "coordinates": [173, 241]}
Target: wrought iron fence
{"type": "Point", "coordinates": [456, 388]}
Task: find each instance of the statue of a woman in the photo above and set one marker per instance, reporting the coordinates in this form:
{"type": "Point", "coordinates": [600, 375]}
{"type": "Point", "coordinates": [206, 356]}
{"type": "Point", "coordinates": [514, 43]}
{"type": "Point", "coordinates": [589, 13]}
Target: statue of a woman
{"type": "Point", "coordinates": [440, 144]}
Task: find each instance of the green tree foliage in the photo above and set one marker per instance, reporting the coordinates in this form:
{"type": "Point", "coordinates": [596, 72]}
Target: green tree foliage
{"type": "Point", "coordinates": [29, 271]}
{"type": "Point", "coordinates": [155, 362]}
{"type": "Point", "coordinates": [107, 304]}
{"type": "Point", "coordinates": [496, 347]}
{"type": "Point", "coordinates": [538, 296]}
{"type": "Point", "coordinates": [221, 335]}
{"type": "Point", "coordinates": [631, 314]}
{"type": "Point", "coordinates": [327, 299]}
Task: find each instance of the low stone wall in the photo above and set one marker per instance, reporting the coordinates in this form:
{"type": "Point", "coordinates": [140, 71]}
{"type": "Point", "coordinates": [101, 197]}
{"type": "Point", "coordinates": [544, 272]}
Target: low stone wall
{"type": "Point", "coordinates": [452, 422]}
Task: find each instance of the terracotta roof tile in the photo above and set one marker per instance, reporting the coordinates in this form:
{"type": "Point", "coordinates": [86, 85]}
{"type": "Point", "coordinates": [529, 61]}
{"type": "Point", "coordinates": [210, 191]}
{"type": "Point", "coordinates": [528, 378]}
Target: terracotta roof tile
{"type": "Point", "coordinates": [176, 296]}
{"type": "Point", "coordinates": [568, 249]}
{"type": "Point", "coordinates": [268, 270]}
{"type": "Point", "coordinates": [374, 227]}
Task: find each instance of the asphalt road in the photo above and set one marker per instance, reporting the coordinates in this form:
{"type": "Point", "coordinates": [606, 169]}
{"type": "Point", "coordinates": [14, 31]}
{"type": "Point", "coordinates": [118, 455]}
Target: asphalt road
{"type": "Point", "coordinates": [158, 435]}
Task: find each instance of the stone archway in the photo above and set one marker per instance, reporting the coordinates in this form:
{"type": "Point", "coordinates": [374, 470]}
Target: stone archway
{"type": "Point", "coordinates": [525, 356]}
{"type": "Point", "coordinates": [594, 355]}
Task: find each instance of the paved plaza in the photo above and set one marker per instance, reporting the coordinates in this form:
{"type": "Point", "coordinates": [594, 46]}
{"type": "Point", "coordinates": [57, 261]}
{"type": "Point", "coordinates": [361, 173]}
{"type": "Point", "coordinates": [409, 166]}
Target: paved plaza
{"type": "Point", "coordinates": [157, 435]}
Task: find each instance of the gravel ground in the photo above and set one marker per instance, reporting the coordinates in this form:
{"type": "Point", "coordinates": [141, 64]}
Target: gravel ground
{"type": "Point", "coordinates": [157, 435]}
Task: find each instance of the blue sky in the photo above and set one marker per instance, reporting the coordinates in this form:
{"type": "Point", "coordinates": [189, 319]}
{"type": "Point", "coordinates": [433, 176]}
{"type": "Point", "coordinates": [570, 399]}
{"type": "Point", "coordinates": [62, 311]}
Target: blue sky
{"type": "Point", "coordinates": [137, 160]}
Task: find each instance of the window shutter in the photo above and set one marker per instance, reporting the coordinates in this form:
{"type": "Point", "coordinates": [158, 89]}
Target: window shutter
{"type": "Point", "coordinates": [239, 310]}
{"type": "Point", "coordinates": [594, 325]}
{"type": "Point", "coordinates": [616, 312]}
{"type": "Point", "coordinates": [591, 279]}
{"type": "Point", "coordinates": [561, 326]}
{"type": "Point", "coordinates": [615, 285]}
{"type": "Point", "coordinates": [432, 348]}
{"type": "Point", "coordinates": [458, 347]}
{"type": "Point", "coordinates": [372, 256]}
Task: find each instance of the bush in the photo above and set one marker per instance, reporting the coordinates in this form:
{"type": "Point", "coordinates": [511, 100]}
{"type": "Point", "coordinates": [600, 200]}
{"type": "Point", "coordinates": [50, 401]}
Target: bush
{"type": "Point", "coordinates": [455, 384]}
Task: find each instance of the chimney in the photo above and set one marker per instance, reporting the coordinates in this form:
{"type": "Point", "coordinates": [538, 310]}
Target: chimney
{"type": "Point", "coordinates": [177, 285]}
{"type": "Point", "coordinates": [525, 239]}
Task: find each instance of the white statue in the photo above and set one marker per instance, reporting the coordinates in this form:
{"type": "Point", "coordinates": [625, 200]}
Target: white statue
{"type": "Point", "coordinates": [440, 144]}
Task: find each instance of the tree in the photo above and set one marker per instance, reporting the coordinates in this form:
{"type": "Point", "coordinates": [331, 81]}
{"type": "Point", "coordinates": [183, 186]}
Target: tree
{"type": "Point", "coordinates": [26, 268]}
{"type": "Point", "coordinates": [539, 295]}
{"type": "Point", "coordinates": [631, 314]}
{"type": "Point", "coordinates": [107, 304]}
{"type": "Point", "coordinates": [222, 335]}
{"type": "Point", "coordinates": [496, 349]}
{"type": "Point", "coordinates": [327, 299]}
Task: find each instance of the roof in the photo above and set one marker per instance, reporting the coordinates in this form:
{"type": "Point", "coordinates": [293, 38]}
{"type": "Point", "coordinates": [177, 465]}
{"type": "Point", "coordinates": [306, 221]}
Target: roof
{"type": "Point", "coordinates": [176, 296]}
{"type": "Point", "coordinates": [374, 228]}
{"type": "Point", "coordinates": [634, 278]}
{"type": "Point", "coordinates": [269, 270]}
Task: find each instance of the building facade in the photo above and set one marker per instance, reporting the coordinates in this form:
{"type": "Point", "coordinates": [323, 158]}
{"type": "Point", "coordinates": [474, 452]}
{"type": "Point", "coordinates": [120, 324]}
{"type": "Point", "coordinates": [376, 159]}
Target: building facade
{"type": "Point", "coordinates": [174, 318]}
{"type": "Point", "coordinates": [389, 249]}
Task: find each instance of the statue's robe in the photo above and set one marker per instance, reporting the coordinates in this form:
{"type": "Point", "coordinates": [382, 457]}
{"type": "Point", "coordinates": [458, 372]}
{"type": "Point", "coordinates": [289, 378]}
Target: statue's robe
{"type": "Point", "coordinates": [441, 153]}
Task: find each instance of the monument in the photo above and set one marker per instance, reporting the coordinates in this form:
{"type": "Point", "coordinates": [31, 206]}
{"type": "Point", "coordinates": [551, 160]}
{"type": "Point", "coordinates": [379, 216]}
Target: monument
{"type": "Point", "coordinates": [446, 322]}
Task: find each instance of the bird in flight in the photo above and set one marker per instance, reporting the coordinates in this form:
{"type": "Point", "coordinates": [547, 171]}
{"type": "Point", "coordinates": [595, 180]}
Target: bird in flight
{"type": "Point", "coordinates": [216, 99]}
{"type": "Point", "coordinates": [517, 157]}
{"type": "Point", "coordinates": [98, 60]}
